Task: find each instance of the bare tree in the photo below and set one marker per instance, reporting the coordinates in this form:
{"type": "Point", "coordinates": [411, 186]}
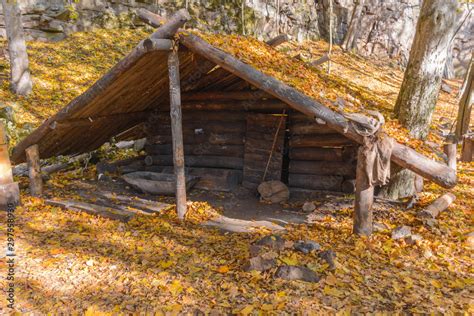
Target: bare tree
{"type": "Point", "coordinates": [19, 69]}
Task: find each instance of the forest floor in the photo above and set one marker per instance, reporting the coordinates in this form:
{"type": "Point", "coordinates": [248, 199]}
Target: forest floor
{"type": "Point", "coordinates": [68, 261]}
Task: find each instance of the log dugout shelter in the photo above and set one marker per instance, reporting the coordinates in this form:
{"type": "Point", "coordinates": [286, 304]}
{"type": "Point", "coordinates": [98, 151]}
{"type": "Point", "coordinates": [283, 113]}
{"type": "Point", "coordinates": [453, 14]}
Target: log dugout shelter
{"type": "Point", "coordinates": [238, 125]}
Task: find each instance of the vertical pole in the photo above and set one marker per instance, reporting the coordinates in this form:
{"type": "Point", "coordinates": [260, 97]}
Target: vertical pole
{"type": "Point", "coordinates": [9, 190]}
{"type": "Point", "coordinates": [34, 170]}
{"type": "Point", "coordinates": [364, 197]}
{"type": "Point", "coordinates": [450, 151]}
{"type": "Point", "coordinates": [467, 149]}
{"type": "Point", "coordinates": [177, 131]}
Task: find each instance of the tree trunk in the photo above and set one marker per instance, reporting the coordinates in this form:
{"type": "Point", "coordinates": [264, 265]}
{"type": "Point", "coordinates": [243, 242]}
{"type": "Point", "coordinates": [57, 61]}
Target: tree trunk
{"type": "Point", "coordinates": [448, 71]}
{"type": "Point", "coordinates": [351, 35]}
{"type": "Point", "coordinates": [402, 184]}
{"type": "Point", "coordinates": [422, 80]}
{"type": "Point", "coordinates": [465, 104]}
{"type": "Point", "coordinates": [19, 71]}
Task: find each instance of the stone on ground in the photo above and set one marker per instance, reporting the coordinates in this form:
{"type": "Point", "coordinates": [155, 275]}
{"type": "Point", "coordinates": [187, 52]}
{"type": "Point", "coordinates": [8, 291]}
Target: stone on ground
{"type": "Point", "coordinates": [401, 232]}
{"type": "Point", "coordinates": [296, 273]}
{"type": "Point", "coordinates": [273, 242]}
{"type": "Point", "coordinates": [262, 262]}
{"type": "Point", "coordinates": [330, 257]}
{"type": "Point", "coordinates": [273, 191]}
{"type": "Point", "coordinates": [308, 207]}
{"type": "Point", "coordinates": [412, 239]}
{"type": "Point", "coordinates": [306, 246]}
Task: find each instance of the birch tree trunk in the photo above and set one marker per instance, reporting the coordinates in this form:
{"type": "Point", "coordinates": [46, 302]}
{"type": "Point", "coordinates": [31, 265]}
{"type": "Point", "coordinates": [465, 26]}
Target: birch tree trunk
{"type": "Point", "coordinates": [19, 71]}
{"type": "Point", "coordinates": [422, 80]}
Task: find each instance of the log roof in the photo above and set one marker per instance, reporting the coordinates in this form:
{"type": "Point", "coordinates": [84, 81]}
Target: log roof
{"type": "Point", "coordinates": [137, 85]}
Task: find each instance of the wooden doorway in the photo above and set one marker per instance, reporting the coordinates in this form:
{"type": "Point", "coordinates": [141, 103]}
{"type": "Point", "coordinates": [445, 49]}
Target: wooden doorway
{"type": "Point", "coordinates": [263, 149]}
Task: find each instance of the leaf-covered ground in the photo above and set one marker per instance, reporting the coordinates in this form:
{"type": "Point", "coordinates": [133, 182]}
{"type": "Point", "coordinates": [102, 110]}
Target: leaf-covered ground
{"type": "Point", "coordinates": [74, 262]}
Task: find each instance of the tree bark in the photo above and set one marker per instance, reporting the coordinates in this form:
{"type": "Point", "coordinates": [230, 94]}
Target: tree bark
{"type": "Point", "coordinates": [177, 132]}
{"type": "Point", "coordinates": [19, 69]}
{"type": "Point", "coordinates": [351, 35]}
{"type": "Point", "coordinates": [450, 151]}
{"type": "Point", "coordinates": [422, 80]}
{"type": "Point", "coordinates": [402, 184]}
{"type": "Point", "coordinates": [364, 197]}
{"type": "Point", "coordinates": [9, 190]}
{"type": "Point", "coordinates": [34, 170]}
{"type": "Point", "coordinates": [465, 104]}
{"type": "Point", "coordinates": [467, 148]}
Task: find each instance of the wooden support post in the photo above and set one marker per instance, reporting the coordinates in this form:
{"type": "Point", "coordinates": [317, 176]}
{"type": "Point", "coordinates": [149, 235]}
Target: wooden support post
{"type": "Point", "coordinates": [466, 155]}
{"type": "Point", "coordinates": [364, 197]}
{"type": "Point", "coordinates": [177, 132]}
{"type": "Point", "coordinates": [34, 170]}
{"type": "Point", "coordinates": [9, 190]}
{"type": "Point", "coordinates": [450, 151]}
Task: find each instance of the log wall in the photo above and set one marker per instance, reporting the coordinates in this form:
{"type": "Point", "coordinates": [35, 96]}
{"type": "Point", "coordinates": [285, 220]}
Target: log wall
{"type": "Point", "coordinates": [213, 145]}
{"type": "Point", "coordinates": [320, 158]}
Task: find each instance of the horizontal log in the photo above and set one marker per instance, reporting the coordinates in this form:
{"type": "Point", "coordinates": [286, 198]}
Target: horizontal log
{"type": "Point", "coordinates": [322, 168]}
{"type": "Point", "coordinates": [316, 140]}
{"type": "Point", "coordinates": [321, 60]}
{"type": "Point", "coordinates": [305, 128]}
{"type": "Point", "coordinates": [401, 154]}
{"type": "Point", "coordinates": [200, 161]}
{"type": "Point", "coordinates": [348, 186]}
{"type": "Point", "coordinates": [199, 116]}
{"type": "Point", "coordinates": [214, 139]}
{"type": "Point", "coordinates": [438, 206]}
{"type": "Point", "coordinates": [349, 153]}
{"type": "Point", "coordinates": [201, 127]}
{"type": "Point", "coordinates": [315, 182]}
{"type": "Point", "coordinates": [226, 95]}
{"type": "Point", "coordinates": [265, 106]}
{"type": "Point", "coordinates": [88, 121]}
{"type": "Point", "coordinates": [150, 18]}
{"type": "Point", "coordinates": [204, 149]}
{"type": "Point", "coordinates": [278, 40]}
{"type": "Point", "coordinates": [316, 153]}
{"type": "Point", "coordinates": [94, 209]}
{"type": "Point", "coordinates": [213, 179]}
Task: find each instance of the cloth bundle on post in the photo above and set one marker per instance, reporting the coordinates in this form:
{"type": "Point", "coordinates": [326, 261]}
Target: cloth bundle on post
{"type": "Point", "coordinates": [377, 151]}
